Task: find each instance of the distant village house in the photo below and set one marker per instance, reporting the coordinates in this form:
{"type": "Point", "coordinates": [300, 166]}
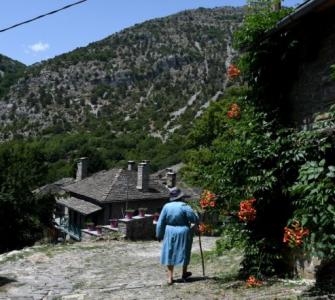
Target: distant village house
{"type": "Point", "coordinates": [107, 195]}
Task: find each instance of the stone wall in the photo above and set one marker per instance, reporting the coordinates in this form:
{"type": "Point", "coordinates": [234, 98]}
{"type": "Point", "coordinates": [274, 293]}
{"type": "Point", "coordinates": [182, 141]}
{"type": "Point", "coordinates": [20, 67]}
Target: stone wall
{"type": "Point", "coordinates": [313, 90]}
{"type": "Point", "coordinates": [137, 228]}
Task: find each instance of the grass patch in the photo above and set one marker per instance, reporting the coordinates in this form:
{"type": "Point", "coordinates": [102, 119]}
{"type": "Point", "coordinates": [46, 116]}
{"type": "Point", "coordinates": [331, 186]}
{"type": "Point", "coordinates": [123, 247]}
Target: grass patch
{"type": "Point", "coordinates": [48, 250]}
{"type": "Point", "coordinates": [15, 256]}
{"type": "Point", "coordinates": [92, 247]}
{"type": "Point", "coordinates": [79, 285]}
{"type": "Point", "coordinates": [226, 266]}
{"type": "Point", "coordinates": [209, 256]}
{"type": "Point", "coordinates": [233, 256]}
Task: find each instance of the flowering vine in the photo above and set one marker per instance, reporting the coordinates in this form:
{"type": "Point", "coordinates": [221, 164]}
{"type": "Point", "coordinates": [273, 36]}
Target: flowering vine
{"type": "Point", "coordinates": [294, 236]}
{"type": "Point", "coordinates": [247, 212]}
{"type": "Point", "coordinates": [233, 71]}
{"type": "Point", "coordinates": [205, 228]}
{"type": "Point", "coordinates": [208, 199]}
{"type": "Point", "coordinates": [234, 111]}
{"type": "Point", "coordinates": [253, 282]}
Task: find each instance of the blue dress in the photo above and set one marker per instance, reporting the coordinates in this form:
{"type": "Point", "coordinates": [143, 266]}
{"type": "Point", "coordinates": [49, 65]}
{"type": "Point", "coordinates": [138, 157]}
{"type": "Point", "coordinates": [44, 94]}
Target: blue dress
{"type": "Point", "coordinates": [174, 226]}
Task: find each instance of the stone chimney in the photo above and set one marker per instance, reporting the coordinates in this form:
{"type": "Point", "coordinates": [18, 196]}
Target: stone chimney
{"type": "Point", "coordinates": [143, 177]}
{"type": "Point", "coordinates": [276, 5]}
{"type": "Point", "coordinates": [131, 165]}
{"type": "Point", "coordinates": [82, 168]}
{"type": "Point", "coordinates": [171, 179]}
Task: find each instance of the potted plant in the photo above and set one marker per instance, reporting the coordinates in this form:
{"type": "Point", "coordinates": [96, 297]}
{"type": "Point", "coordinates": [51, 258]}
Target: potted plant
{"type": "Point", "coordinates": [156, 216]}
{"type": "Point", "coordinates": [98, 229]}
{"type": "Point", "coordinates": [113, 223]}
{"type": "Point", "coordinates": [142, 211]}
{"type": "Point", "coordinates": [89, 225]}
{"type": "Point", "coordinates": [129, 213]}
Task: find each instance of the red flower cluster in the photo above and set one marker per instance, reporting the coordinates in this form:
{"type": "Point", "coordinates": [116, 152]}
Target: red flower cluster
{"type": "Point", "coordinates": [233, 71]}
{"type": "Point", "coordinates": [207, 199]}
{"type": "Point", "coordinates": [247, 212]}
{"type": "Point", "coordinates": [205, 228]}
{"type": "Point", "coordinates": [234, 112]}
{"type": "Point", "coordinates": [253, 282]}
{"type": "Point", "coordinates": [293, 236]}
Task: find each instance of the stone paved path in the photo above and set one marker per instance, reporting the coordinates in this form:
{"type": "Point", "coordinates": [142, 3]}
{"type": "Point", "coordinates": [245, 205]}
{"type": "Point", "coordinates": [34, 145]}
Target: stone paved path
{"type": "Point", "coordinates": [121, 270]}
{"type": "Point", "coordinates": [94, 270]}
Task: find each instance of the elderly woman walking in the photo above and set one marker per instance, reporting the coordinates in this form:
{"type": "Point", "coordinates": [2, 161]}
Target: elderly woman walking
{"type": "Point", "coordinates": [173, 227]}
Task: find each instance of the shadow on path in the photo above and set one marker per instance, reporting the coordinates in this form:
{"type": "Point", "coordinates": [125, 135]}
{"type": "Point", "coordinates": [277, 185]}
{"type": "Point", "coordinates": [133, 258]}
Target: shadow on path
{"type": "Point", "coordinates": [6, 280]}
{"type": "Point", "coordinates": [325, 281]}
{"type": "Point", "coordinates": [195, 279]}
{"type": "Point", "coordinates": [320, 291]}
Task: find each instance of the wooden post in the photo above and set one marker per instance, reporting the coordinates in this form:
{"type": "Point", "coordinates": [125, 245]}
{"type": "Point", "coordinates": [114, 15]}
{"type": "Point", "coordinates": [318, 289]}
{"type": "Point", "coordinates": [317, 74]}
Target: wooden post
{"type": "Point", "coordinates": [202, 256]}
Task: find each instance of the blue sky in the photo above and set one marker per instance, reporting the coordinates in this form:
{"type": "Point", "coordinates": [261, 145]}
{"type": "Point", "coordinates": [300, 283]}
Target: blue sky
{"type": "Point", "coordinates": [83, 24]}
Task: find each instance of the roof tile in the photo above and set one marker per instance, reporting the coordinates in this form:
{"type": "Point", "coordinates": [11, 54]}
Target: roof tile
{"type": "Point", "coordinates": [116, 185]}
{"type": "Point", "coordinates": [81, 206]}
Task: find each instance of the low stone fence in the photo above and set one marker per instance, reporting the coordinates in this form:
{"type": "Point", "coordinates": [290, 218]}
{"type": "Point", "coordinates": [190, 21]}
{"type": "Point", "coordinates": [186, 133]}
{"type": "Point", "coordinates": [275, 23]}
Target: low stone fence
{"type": "Point", "coordinates": [138, 228]}
{"type": "Point", "coordinates": [135, 228]}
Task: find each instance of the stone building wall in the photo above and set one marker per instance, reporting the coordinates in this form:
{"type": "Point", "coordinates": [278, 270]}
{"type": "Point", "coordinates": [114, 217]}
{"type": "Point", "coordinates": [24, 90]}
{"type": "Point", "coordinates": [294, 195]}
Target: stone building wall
{"type": "Point", "coordinates": [313, 90]}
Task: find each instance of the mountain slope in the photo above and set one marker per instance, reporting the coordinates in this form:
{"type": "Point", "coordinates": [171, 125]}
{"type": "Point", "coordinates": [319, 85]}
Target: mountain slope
{"type": "Point", "coordinates": [10, 70]}
{"type": "Point", "coordinates": [154, 77]}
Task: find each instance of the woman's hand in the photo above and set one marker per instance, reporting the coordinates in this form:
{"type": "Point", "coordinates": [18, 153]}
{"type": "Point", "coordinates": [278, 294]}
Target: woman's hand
{"type": "Point", "coordinates": [194, 228]}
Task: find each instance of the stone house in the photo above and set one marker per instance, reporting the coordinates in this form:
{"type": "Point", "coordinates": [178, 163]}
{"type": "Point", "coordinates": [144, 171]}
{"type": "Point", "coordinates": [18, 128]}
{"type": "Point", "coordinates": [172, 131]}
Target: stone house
{"type": "Point", "coordinates": [298, 68]}
{"type": "Point", "coordinates": [302, 84]}
{"type": "Point", "coordinates": [107, 195]}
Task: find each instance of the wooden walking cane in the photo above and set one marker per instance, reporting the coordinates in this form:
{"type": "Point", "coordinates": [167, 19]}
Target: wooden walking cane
{"type": "Point", "coordinates": [202, 256]}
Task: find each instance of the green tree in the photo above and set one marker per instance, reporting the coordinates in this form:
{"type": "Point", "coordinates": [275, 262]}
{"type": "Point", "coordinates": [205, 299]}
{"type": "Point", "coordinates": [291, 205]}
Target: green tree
{"type": "Point", "coordinates": [21, 213]}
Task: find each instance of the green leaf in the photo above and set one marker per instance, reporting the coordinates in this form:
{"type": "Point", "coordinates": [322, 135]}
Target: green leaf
{"type": "Point", "coordinates": [331, 209]}
{"type": "Point", "coordinates": [304, 220]}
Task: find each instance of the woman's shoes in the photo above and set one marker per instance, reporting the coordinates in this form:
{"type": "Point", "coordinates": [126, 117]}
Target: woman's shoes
{"type": "Point", "coordinates": [170, 283]}
{"type": "Point", "coordinates": [186, 275]}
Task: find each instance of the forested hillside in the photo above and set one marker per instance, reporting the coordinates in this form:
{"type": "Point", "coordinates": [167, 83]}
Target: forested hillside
{"type": "Point", "coordinates": [153, 77]}
{"type": "Point", "coordinates": [132, 95]}
{"type": "Point", "coordinates": [10, 71]}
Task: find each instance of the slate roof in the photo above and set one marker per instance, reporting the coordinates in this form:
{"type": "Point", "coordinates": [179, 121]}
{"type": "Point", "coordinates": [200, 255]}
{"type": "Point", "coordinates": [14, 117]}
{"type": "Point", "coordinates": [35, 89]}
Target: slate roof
{"type": "Point", "coordinates": [162, 173]}
{"type": "Point", "coordinates": [55, 187]}
{"type": "Point", "coordinates": [306, 8]}
{"type": "Point", "coordinates": [81, 206]}
{"type": "Point", "coordinates": [116, 185]}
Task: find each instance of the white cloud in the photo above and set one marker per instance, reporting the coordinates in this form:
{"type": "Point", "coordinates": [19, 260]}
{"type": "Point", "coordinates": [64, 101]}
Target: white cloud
{"type": "Point", "coordinates": [39, 47]}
